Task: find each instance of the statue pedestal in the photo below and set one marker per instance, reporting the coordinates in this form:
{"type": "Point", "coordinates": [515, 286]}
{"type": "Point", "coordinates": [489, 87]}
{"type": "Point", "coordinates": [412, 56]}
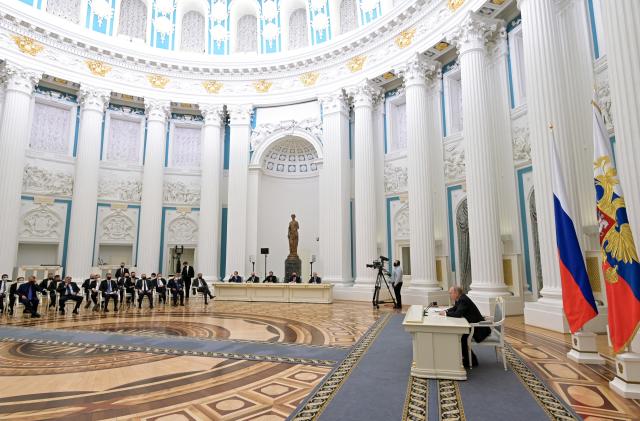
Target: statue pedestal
{"type": "Point", "coordinates": [292, 264]}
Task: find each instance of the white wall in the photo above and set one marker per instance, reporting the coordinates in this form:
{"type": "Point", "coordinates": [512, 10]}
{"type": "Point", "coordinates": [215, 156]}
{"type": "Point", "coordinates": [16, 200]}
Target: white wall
{"type": "Point", "coordinates": [37, 254]}
{"type": "Point", "coordinates": [296, 112]}
{"type": "Point", "coordinates": [279, 198]}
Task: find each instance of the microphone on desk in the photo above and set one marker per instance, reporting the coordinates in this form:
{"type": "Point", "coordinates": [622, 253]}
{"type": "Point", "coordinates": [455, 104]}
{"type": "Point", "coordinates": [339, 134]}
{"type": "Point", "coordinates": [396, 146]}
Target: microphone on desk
{"type": "Point", "coordinates": [431, 304]}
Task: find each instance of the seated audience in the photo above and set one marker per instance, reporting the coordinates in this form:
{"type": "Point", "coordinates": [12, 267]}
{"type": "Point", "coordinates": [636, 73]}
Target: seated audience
{"type": "Point", "coordinates": [271, 278]}
{"type": "Point", "coordinates": [161, 287]}
{"type": "Point", "coordinates": [253, 278]}
{"type": "Point", "coordinates": [13, 291]}
{"type": "Point", "coordinates": [109, 289]}
{"type": "Point", "coordinates": [294, 278]}
{"type": "Point", "coordinates": [315, 279]}
{"type": "Point", "coordinates": [69, 291]}
{"type": "Point", "coordinates": [201, 286]}
{"type": "Point", "coordinates": [90, 288]}
{"type": "Point", "coordinates": [464, 307]}
{"type": "Point", "coordinates": [176, 286]}
{"type": "Point", "coordinates": [28, 294]}
{"type": "Point", "coordinates": [235, 277]}
{"type": "Point", "coordinates": [4, 290]}
{"type": "Point", "coordinates": [145, 289]}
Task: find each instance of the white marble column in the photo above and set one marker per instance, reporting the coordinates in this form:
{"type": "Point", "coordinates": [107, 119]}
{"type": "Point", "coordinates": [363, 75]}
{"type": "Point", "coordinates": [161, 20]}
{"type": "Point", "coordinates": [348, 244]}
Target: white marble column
{"type": "Point", "coordinates": [208, 250]}
{"type": "Point", "coordinates": [335, 188]}
{"type": "Point", "coordinates": [546, 102]}
{"type": "Point", "coordinates": [365, 95]}
{"type": "Point", "coordinates": [238, 184]}
{"type": "Point", "coordinates": [422, 138]}
{"type": "Point", "coordinates": [152, 186]}
{"type": "Point", "coordinates": [85, 187]}
{"type": "Point", "coordinates": [482, 192]}
{"type": "Point", "coordinates": [14, 139]}
{"type": "Point", "coordinates": [622, 35]}
{"type": "Point", "coordinates": [253, 195]}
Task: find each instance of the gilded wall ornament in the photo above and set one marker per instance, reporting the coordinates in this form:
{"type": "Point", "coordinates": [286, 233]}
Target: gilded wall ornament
{"type": "Point", "coordinates": [356, 64]}
{"type": "Point", "coordinates": [405, 38]}
{"type": "Point", "coordinates": [441, 46]}
{"type": "Point", "coordinates": [212, 86]}
{"type": "Point", "coordinates": [27, 45]}
{"type": "Point", "coordinates": [309, 78]}
{"type": "Point", "coordinates": [454, 4]}
{"type": "Point", "coordinates": [98, 67]}
{"type": "Point", "coordinates": [389, 76]}
{"type": "Point", "coordinates": [262, 86]}
{"type": "Point", "coordinates": [158, 81]}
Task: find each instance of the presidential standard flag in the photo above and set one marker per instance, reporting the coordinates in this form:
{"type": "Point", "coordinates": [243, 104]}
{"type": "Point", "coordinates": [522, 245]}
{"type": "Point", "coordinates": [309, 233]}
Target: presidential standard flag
{"type": "Point", "coordinates": [577, 296]}
{"type": "Point", "coordinates": [619, 256]}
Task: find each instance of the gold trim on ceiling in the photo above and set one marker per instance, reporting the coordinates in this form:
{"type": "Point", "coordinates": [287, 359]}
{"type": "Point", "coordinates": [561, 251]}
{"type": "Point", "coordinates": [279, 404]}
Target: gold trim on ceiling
{"type": "Point", "coordinates": [262, 86]}
{"type": "Point", "coordinates": [98, 67]}
{"type": "Point", "coordinates": [356, 64]}
{"type": "Point", "coordinates": [309, 78]}
{"type": "Point", "coordinates": [27, 45]}
{"type": "Point", "coordinates": [405, 38]}
{"type": "Point", "coordinates": [158, 81]}
{"type": "Point", "coordinates": [212, 86]}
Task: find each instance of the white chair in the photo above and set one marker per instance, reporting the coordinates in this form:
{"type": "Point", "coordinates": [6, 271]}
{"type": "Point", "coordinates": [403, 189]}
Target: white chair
{"type": "Point", "coordinates": [496, 338]}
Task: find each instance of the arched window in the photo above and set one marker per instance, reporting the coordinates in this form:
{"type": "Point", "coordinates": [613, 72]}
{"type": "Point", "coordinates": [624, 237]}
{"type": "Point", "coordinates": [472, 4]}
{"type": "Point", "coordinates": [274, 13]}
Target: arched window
{"type": "Point", "coordinates": [348, 16]}
{"type": "Point", "coordinates": [247, 34]}
{"type": "Point", "coordinates": [133, 19]}
{"type": "Point", "coordinates": [192, 32]}
{"type": "Point", "coordinates": [298, 31]}
{"type": "Point", "coordinates": [66, 9]}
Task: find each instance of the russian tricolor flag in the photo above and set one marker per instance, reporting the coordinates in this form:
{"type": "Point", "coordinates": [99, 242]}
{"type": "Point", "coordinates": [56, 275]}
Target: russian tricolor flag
{"type": "Point", "coordinates": [577, 296]}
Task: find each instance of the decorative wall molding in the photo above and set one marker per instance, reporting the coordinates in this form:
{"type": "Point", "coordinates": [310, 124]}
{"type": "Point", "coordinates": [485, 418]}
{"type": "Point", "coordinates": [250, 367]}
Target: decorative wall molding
{"type": "Point", "coordinates": [182, 230]}
{"type": "Point", "coordinates": [179, 192]}
{"type": "Point", "coordinates": [603, 96]}
{"type": "Point", "coordinates": [395, 178]}
{"type": "Point", "coordinates": [41, 181]}
{"type": "Point", "coordinates": [111, 187]}
{"type": "Point", "coordinates": [401, 223]}
{"type": "Point", "coordinates": [117, 227]}
{"type": "Point", "coordinates": [521, 144]}
{"type": "Point", "coordinates": [313, 126]}
{"type": "Point", "coordinates": [41, 223]}
{"type": "Point", "coordinates": [454, 163]}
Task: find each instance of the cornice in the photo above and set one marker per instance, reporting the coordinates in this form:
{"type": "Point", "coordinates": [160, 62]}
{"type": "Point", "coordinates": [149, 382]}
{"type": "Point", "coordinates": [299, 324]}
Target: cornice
{"type": "Point", "coordinates": [72, 53]}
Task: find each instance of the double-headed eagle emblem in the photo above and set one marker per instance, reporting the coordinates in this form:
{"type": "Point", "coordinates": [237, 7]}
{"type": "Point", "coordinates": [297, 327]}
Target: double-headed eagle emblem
{"type": "Point", "coordinates": [615, 233]}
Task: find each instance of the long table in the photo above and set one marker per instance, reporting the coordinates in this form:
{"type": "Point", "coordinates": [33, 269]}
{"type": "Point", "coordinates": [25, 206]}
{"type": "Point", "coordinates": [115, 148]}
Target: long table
{"type": "Point", "coordinates": [436, 344]}
{"type": "Point", "coordinates": [279, 293]}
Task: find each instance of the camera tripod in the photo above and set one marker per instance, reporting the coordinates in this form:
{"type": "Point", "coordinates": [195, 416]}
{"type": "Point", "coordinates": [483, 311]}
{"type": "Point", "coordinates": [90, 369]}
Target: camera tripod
{"type": "Point", "coordinates": [376, 292]}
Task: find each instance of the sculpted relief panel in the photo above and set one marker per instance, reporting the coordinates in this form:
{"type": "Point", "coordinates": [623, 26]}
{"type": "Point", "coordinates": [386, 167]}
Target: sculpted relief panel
{"type": "Point", "coordinates": [112, 187]}
{"type": "Point", "coordinates": [395, 178]}
{"type": "Point", "coordinates": [41, 222]}
{"type": "Point", "coordinates": [42, 181]}
{"type": "Point", "coordinates": [454, 164]}
{"type": "Point", "coordinates": [182, 193]}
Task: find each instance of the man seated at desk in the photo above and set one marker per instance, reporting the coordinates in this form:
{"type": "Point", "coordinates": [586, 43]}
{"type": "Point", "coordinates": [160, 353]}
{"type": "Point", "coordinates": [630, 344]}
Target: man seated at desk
{"type": "Point", "coordinates": [235, 277]}
{"type": "Point", "coordinates": [464, 307]}
{"type": "Point", "coordinates": [294, 279]}
{"type": "Point", "coordinates": [315, 279]}
{"type": "Point", "coordinates": [253, 278]}
{"type": "Point", "coordinates": [271, 278]}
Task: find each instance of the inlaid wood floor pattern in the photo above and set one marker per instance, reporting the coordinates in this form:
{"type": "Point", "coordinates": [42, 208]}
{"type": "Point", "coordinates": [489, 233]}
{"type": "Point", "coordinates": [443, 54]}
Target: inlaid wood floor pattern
{"type": "Point", "coordinates": [584, 387]}
{"type": "Point", "coordinates": [45, 381]}
{"type": "Point", "coordinates": [340, 324]}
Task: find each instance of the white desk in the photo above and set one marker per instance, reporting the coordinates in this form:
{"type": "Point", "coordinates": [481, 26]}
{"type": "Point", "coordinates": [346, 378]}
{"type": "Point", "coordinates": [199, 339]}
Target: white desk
{"type": "Point", "coordinates": [436, 344]}
{"type": "Point", "coordinates": [279, 293]}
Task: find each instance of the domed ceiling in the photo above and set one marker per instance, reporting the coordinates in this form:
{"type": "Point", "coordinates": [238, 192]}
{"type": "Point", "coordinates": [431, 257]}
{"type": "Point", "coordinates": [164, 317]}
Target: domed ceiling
{"type": "Point", "coordinates": [290, 157]}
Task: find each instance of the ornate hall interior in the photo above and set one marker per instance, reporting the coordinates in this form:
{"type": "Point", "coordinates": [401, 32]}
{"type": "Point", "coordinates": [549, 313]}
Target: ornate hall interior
{"type": "Point", "coordinates": [260, 169]}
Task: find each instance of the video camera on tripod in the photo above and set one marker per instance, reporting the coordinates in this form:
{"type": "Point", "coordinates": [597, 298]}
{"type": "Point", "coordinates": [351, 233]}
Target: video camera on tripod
{"type": "Point", "coordinates": [378, 264]}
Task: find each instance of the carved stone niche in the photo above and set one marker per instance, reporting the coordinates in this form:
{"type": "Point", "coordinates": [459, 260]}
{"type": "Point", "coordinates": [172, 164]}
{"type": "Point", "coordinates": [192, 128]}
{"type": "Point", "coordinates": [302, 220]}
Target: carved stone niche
{"type": "Point", "coordinates": [41, 223]}
{"type": "Point", "coordinates": [42, 181]}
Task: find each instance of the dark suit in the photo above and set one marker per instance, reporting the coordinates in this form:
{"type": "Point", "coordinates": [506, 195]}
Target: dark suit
{"type": "Point", "coordinates": [161, 287]}
{"type": "Point", "coordinates": [69, 292]}
{"type": "Point", "coordinates": [235, 278]}
{"type": "Point", "coordinates": [315, 280]}
{"type": "Point", "coordinates": [109, 292]}
{"type": "Point", "coordinates": [49, 284]}
{"type": "Point", "coordinates": [28, 294]}
{"type": "Point", "coordinates": [464, 307]}
{"type": "Point", "coordinates": [120, 282]}
{"type": "Point", "coordinates": [271, 278]}
{"type": "Point", "coordinates": [90, 291]}
{"type": "Point", "coordinates": [294, 279]}
{"type": "Point", "coordinates": [145, 288]}
{"type": "Point", "coordinates": [254, 279]}
{"type": "Point", "coordinates": [5, 286]}
{"type": "Point", "coordinates": [176, 286]}
{"type": "Point", "coordinates": [130, 288]}
{"type": "Point", "coordinates": [121, 271]}
{"type": "Point", "coordinates": [202, 287]}
{"type": "Point", "coordinates": [187, 275]}
{"type": "Point", "coordinates": [13, 290]}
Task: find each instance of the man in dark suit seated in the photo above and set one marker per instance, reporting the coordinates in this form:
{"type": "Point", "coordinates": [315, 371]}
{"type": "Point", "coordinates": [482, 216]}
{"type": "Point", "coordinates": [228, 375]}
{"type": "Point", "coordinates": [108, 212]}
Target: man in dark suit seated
{"type": "Point", "coordinates": [90, 288]}
{"type": "Point", "coordinates": [121, 271]}
{"type": "Point", "coordinates": [130, 287]}
{"type": "Point", "coordinates": [50, 284]}
{"type": "Point", "coordinates": [161, 287]}
{"type": "Point", "coordinates": [464, 307]}
{"type": "Point", "coordinates": [315, 279]}
{"type": "Point", "coordinates": [294, 278]}
{"type": "Point", "coordinates": [201, 286]}
{"type": "Point", "coordinates": [13, 291]}
{"type": "Point", "coordinates": [253, 278]}
{"type": "Point", "coordinates": [69, 291]}
{"type": "Point", "coordinates": [176, 286]}
{"type": "Point", "coordinates": [235, 277]}
{"type": "Point", "coordinates": [4, 290]}
{"type": "Point", "coordinates": [145, 288]}
{"type": "Point", "coordinates": [271, 278]}
{"type": "Point", "coordinates": [109, 289]}
{"type": "Point", "coordinates": [28, 294]}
